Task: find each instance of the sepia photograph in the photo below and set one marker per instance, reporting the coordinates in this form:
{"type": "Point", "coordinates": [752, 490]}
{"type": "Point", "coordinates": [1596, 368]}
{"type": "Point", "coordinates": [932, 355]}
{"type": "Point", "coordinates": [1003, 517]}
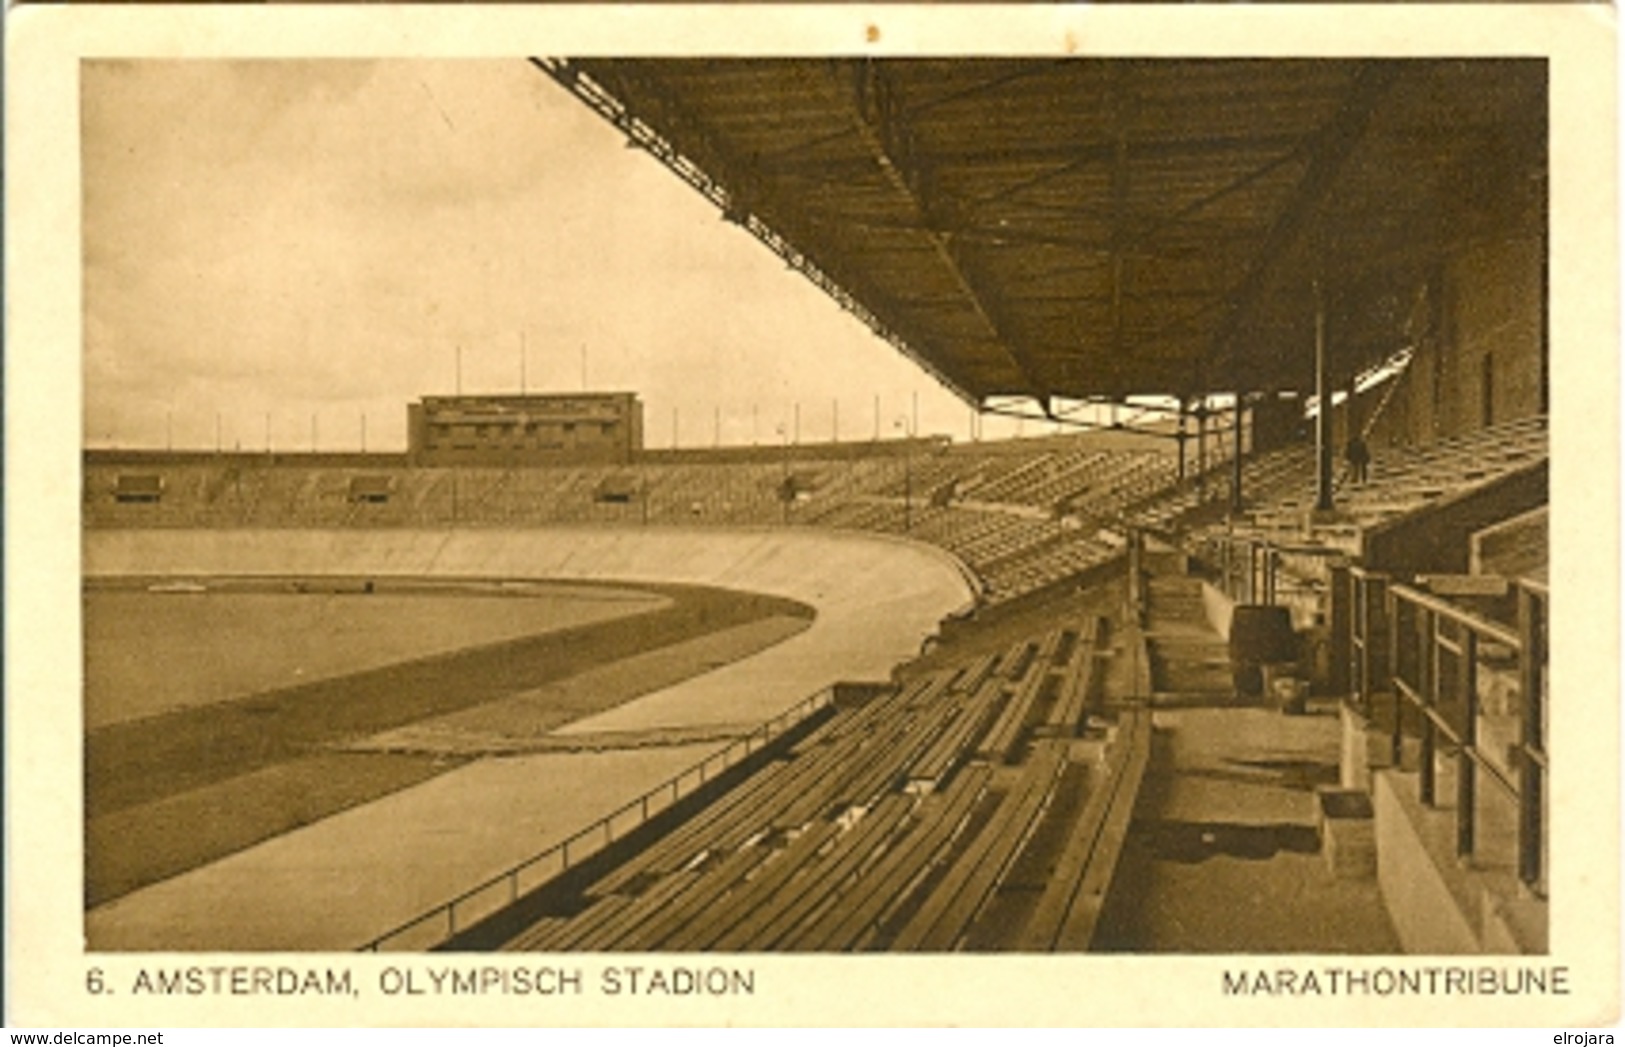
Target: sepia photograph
{"type": "Point", "coordinates": [1079, 506]}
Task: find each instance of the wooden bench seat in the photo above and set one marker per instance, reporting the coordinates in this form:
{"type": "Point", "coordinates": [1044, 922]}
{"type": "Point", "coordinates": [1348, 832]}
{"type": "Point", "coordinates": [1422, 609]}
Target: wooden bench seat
{"type": "Point", "coordinates": [1067, 714]}
{"type": "Point", "coordinates": [896, 763]}
{"type": "Point", "coordinates": [591, 935]}
{"type": "Point", "coordinates": [555, 937]}
{"type": "Point", "coordinates": [765, 787]}
{"type": "Point", "coordinates": [1001, 741]}
{"type": "Point", "coordinates": [535, 936]}
{"type": "Point", "coordinates": [976, 672]}
{"type": "Point", "coordinates": [680, 846]}
{"type": "Point", "coordinates": [674, 912]}
{"type": "Point", "coordinates": [961, 739]}
{"type": "Point", "coordinates": [943, 681]}
{"type": "Point", "coordinates": [1065, 915]}
{"type": "Point", "coordinates": [748, 808]}
{"type": "Point", "coordinates": [941, 922]}
{"type": "Point", "coordinates": [889, 883]}
{"type": "Point", "coordinates": [805, 894]}
{"type": "Point", "coordinates": [751, 895]}
{"type": "Point", "coordinates": [857, 761]}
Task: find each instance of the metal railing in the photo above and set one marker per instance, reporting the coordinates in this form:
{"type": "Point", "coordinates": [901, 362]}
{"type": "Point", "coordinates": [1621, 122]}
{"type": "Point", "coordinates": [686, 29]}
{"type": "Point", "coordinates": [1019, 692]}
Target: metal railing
{"type": "Point", "coordinates": [1417, 664]}
{"type": "Point", "coordinates": [445, 921]}
{"type": "Point", "coordinates": [1250, 568]}
{"type": "Point", "coordinates": [1368, 639]}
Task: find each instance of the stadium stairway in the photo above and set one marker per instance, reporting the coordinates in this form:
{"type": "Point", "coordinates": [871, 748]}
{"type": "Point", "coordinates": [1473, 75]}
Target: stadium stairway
{"type": "Point", "coordinates": [1223, 854]}
{"type": "Point", "coordinates": [1189, 660]}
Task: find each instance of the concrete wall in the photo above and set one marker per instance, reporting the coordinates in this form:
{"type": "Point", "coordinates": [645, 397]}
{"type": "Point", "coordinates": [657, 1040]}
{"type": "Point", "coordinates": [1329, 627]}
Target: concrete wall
{"type": "Point", "coordinates": [1219, 609]}
{"type": "Point", "coordinates": [1482, 359]}
{"type": "Point", "coordinates": [1479, 352]}
{"type": "Point", "coordinates": [1424, 913]}
{"type": "Point", "coordinates": [1439, 538]}
{"type": "Point", "coordinates": [1517, 548]}
{"type": "Point", "coordinates": [1438, 904]}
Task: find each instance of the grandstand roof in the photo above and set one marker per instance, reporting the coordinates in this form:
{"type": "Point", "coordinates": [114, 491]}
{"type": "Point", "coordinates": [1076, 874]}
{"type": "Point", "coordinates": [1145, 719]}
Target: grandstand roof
{"type": "Point", "coordinates": [1097, 228]}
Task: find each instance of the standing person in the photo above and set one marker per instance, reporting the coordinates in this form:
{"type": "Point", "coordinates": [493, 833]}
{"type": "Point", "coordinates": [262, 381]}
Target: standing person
{"type": "Point", "coordinates": [1358, 456]}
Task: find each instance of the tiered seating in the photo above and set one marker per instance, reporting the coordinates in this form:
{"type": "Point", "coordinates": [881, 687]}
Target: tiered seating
{"type": "Point", "coordinates": [1074, 893]}
{"type": "Point", "coordinates": [862, 514]}
{"type": "Point", "coordinates": [1044, 564]}
{"type": "Point", "coordinates": [958, 529]}
{"type": "Point", "coordinates": [1008, 535]}
{"type": "Point", "coordinates": [938, 925]}
{"type": "Point", "coordinates": [890, 825]}
{"type": "Point", "coordinates": [1401, 481]}
{"type": "Point", "coordinates": [1267, 478]}
{"type": "Point", "coordinates": [921, 477]}
{"type": "Point", "coordinates": [1118, 482]}
{"type": "Point", "coordinates": [1007, 485]}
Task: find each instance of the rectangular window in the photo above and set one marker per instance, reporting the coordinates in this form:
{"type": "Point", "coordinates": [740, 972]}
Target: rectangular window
{"type": "Point", "coordinates": [138, 489]}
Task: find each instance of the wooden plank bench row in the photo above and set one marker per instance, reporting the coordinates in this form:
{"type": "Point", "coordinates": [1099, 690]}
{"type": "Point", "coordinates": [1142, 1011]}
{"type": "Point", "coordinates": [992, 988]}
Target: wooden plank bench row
{"type": "Point", "coordinates": [888, 885]}
{"type": "Point", "coordinates": [754, 894]}
{"type": "Point", "coordinates": [812, 759]}
{"type": "Point", "coordinates": [684, 841]}
{"type": "Point", "coordinates": [722, 881]}
{"type": "Point", "coordinates": [821, 764]}
{"type": "Point", "coordinates": [1017, 659]}
{"type": "Point", "coordinates": [556, 936]}
{"type": "Point", "coordinates": [870, 766]}
{"type": "Point", "coordinates": [806, 789]}
{"type": "Point", "coordinates": [758, 894]}
{"type": "Point", "coordinates": [821, 793]}
{"type": "Point", "coordinates": [593, 936]}
{"type": "Point", "coordinates": [977, 672]}
{"type": "Point", "coordinates": [935, 729]}
{"type": "Point", "coordinates": [930, 689]}
{"type": "Point", "coordinates": [941, 922]}
{"type": "Point", "coordinates": [536, 935]}
{"type": "Point", "coordinates": [960, 739]}
{"type": "Point", "coordinates": [881, 760]}
{"type": "Point", "coordinates": [665, 918]}
{"type": "Point", "coordinates": [1065, 916]}
{"type": "Point", "coordinates": [1071, 706]}
{"type": "Point", "coordinates": [803, 895]}
{"type": "Point", "coordinates": [1000, 743]}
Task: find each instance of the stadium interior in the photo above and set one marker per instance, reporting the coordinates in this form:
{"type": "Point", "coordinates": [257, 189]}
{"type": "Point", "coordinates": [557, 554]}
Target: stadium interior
{"type": "Point", "coordinates": [1185, 673]}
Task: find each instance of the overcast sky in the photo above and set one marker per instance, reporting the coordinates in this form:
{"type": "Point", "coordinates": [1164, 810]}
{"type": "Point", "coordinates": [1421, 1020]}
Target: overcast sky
{"type": "Point", "coordinates": [300, 239]}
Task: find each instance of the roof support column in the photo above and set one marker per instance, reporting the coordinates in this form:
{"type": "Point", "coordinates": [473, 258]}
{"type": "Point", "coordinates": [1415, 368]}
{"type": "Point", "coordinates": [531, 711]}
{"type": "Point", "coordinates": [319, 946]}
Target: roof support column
{"type": "Point", "coordinates": [1323, 415]}
{"type": "Point", "coordinates": [1235, 460]}
{"type": "Point", "coordinates": [1181, 437]}
{"type": "Point", "coordinates": [1201, 450]}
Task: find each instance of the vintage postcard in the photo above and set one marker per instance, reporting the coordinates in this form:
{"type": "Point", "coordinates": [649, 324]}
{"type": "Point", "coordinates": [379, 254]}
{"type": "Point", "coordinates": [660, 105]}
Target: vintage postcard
{"type": "Point", "coordinates": [1033, 516]}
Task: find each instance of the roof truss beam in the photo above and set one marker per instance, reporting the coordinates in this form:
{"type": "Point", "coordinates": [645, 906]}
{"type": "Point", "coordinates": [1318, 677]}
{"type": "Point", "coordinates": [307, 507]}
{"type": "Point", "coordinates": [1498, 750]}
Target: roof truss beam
{"type": "Point", "coordinates": [1335, 144]}
{"type": "Point", "coordinates": [784, 162]}
{"type": "Point", "coordinates": [883, 127]}
{"type": "Point", "coordinates": [1060, 158]}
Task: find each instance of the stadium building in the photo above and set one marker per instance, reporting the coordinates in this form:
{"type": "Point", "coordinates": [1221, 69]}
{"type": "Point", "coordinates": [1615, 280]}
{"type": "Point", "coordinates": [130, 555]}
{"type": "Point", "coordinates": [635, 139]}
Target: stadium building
{"type": "Point", "coordinates": [517, 430]}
